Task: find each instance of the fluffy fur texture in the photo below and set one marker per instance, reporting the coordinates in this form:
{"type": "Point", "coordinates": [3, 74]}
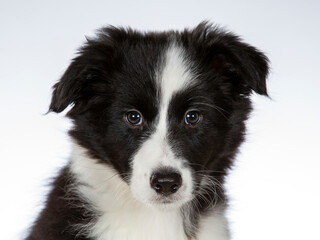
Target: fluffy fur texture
{"type": "Point", "coordinates": [162, 176]}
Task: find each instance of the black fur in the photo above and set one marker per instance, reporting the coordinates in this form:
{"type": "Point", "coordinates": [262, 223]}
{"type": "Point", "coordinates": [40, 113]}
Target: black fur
{"type": "Point", "coordinates": [64, 212]}
{"type": "Point", "coordinates": [115, 73]}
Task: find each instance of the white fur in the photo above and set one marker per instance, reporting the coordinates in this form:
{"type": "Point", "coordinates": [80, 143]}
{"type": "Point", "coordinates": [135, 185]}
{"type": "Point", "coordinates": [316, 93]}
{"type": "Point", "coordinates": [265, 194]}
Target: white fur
{"type": "Point", "coordinates": [156, 151]}
{"type": "Point", "coordinates": [121, 217]}
{"type": "Point", "coordinates": [175, 74]}
{"type": "Point", "coordinates": [214, 226]}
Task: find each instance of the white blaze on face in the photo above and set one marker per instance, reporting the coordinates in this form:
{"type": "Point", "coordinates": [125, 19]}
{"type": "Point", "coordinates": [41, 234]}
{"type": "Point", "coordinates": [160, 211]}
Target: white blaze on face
{"type": "Point", "coordinates": [156, 151]}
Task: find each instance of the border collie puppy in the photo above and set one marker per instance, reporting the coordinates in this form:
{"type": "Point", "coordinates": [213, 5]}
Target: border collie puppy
{"type": "Point", "coordinates": [158, 119]}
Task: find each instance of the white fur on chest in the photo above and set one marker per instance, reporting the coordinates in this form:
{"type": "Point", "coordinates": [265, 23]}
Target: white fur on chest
{"type": "Point", "coordinates": [122, 217]}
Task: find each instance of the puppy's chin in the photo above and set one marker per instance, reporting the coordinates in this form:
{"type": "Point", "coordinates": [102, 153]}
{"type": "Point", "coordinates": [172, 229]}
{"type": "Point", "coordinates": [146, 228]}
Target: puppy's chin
{"type": "Point", "coordinates": [164, 203]}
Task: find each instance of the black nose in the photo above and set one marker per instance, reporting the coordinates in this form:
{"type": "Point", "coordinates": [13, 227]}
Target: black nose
{"type": "Point", "coordinates": [165, 182]}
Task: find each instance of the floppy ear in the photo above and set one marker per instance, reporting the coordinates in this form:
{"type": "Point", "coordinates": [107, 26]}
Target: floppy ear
{"type": "Point", "coordinates": [247, 66]}
{"type": "Point", "coordinates": [81, 80]}
{"type": "Point", "coordinates": [242, 64]}
{"type": "Point", "coordinates": [68, 89]}
{"type": "Point", "coordinates": [251, 66]}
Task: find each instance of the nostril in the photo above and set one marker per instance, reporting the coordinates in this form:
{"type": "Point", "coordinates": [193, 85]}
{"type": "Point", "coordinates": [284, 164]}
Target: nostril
{"type": "Point", "coordinates": [166, 182]}
{"type": "Point", "coordinates": [158, 188]}
{"type": "Point", "coordinates": [175, 187]}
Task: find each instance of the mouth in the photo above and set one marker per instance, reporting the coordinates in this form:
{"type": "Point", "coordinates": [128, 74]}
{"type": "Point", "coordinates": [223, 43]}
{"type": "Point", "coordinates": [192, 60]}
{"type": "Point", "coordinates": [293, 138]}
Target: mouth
{"type": "Point", "coordinates": [166, 199]}
{"type": "Point", "coordinates": [169, 201]}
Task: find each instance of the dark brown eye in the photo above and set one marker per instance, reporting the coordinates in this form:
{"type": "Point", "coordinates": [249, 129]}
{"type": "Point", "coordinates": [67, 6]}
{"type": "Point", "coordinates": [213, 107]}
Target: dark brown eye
{"type": "Point", "coordinates": [134, 118]}
{"type": "Point", "coordinates": [192, 117]}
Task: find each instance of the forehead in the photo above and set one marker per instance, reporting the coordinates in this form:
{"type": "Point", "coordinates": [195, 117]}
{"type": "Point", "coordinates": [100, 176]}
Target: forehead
{"type": "Point", "coordinates": [175, 74]}
{"type": "Point", "coordinates": [154, 73]}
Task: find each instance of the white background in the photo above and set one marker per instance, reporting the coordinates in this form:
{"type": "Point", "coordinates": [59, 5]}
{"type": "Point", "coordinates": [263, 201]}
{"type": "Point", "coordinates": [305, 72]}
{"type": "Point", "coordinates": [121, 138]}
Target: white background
{"type": "Point", "coordinates": [274, 186]}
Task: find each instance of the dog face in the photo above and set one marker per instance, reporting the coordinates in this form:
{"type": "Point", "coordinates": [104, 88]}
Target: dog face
{"type": "Point", "coordinates": [165, 110]}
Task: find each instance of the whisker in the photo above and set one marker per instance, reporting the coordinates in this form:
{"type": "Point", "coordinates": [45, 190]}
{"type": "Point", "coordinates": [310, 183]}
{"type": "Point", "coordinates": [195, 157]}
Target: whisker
{"type": "Point", "coordinates": [208, 171]}
{"type": "Point", "coordinates": [208, 103]}
{"type": "Point", "coordinates": [208, 191]}
{"type": "Point", "coordinates": [215, 107]}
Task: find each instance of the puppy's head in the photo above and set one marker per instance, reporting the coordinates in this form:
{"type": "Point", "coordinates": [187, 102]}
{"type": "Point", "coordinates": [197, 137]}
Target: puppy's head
{"type": "Point", "coordinates": [165, 110]}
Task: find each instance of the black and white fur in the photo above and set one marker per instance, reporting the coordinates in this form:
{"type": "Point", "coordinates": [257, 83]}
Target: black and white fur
{"type": "Point", "coordinates": [105, 192]}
